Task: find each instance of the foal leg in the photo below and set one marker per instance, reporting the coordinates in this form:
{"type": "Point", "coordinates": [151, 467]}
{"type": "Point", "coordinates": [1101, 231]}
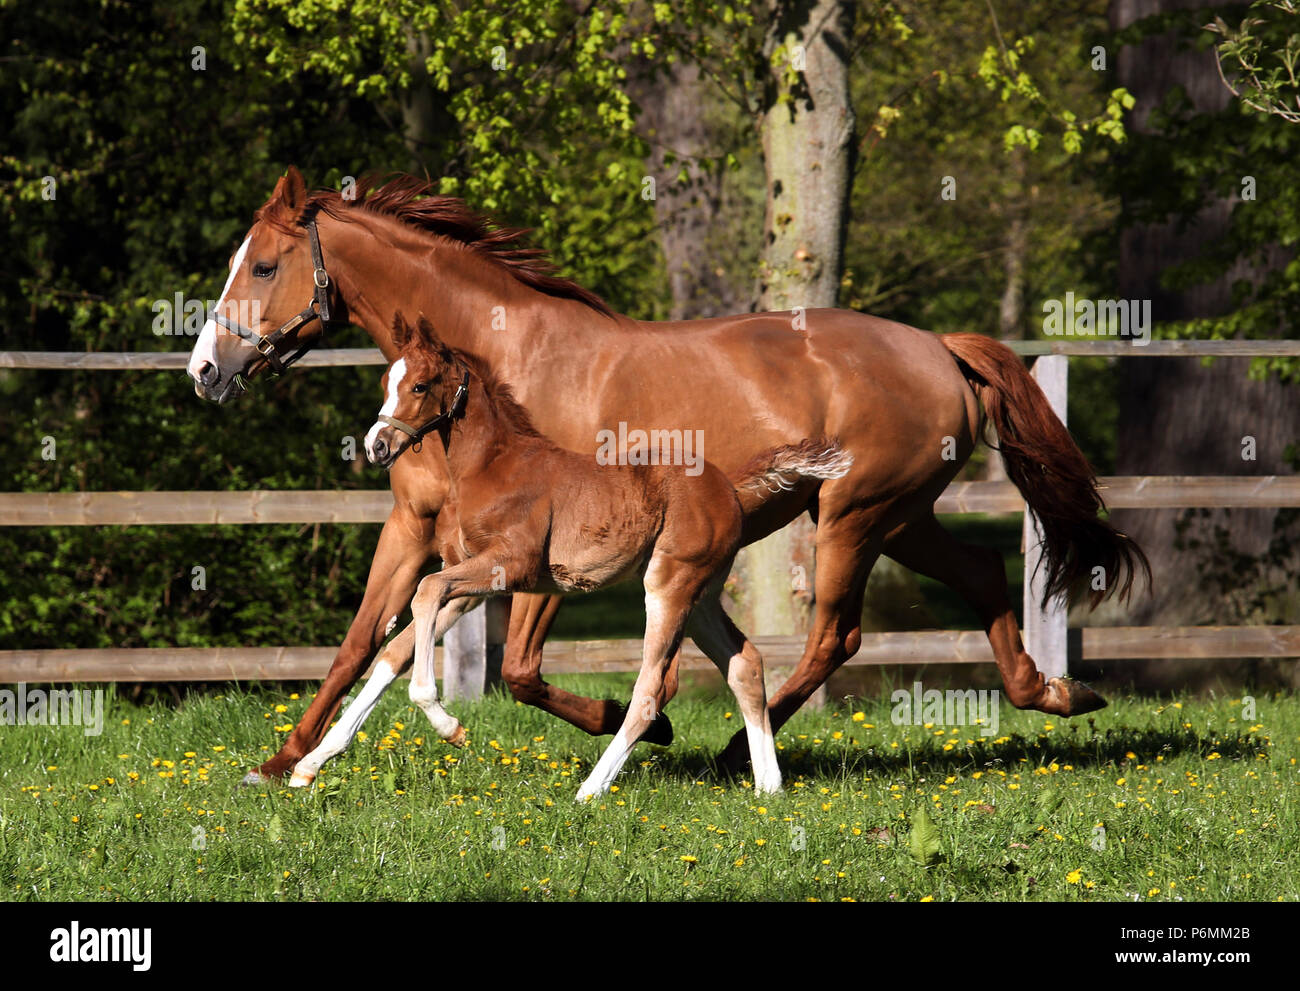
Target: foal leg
{"type": "Point", "coordinates": [979, 576]}
{"type": "Point", "coordinates": [392, 662]}
{"type": "Point", "coordinates": [403, 553]}
{"type": "Point", "coordinates": [667, 606]}
{"type": "Point", "coordinates": [531, 617]}
{"type": "Point", "coordinates": [424, 686]}
{"type": "Point", "coordinates": [742, 667]}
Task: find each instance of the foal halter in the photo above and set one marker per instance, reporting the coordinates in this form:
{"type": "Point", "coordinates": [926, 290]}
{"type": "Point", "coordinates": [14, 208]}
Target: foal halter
{"type": "Point", "coordinates": [317, 309]}
{"type": "Point", "coordinates": [417, 433]}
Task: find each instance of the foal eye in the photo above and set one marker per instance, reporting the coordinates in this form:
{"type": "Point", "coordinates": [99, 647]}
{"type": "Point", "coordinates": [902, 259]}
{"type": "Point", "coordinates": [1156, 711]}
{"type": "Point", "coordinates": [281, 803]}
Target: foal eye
{"type": "Point", "coordinates": [263, 271]}
{"type": "Point", "coordinates": [419, 388]}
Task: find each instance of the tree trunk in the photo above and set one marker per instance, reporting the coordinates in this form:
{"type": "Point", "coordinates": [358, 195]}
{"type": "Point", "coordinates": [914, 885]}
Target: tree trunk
{"type": "Point", "coordinates": [418, 106]}
{"type": "Point", "coordinates": [675, 117]}
{"type": "Point", "coordinates": [807, 133]}
{"type": "Point", "coordinates": [1011, 312]}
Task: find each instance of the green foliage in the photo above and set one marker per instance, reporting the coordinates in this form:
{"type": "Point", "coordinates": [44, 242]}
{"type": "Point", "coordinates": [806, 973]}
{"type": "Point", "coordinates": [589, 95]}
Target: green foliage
{"type": "Point", "coordinates": [520, 108]}
{"type": "Point", "coordinates": [1002, 68]}
{"type": "Point", "coordinates": [1262, 54]}
{"type": "Point", "coordinates": [938, 263]}
{"type": "Point", "coordinates": [1188, 161]}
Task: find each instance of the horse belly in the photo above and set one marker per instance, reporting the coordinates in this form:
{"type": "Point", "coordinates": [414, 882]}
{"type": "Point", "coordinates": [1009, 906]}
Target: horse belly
{"type": "Point", "coordinates": [585, 569]}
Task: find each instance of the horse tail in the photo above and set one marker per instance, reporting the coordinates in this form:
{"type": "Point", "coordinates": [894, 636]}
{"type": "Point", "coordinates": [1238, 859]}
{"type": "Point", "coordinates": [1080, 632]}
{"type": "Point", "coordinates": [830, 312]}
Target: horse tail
{"type": "Point", "coordinates": [780, 469]}
{"type": "Point", "coordinates": [1051, 473]}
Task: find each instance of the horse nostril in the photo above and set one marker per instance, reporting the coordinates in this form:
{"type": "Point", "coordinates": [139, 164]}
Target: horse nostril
{"type": "Point", "coordinates": [381, 450]}
{"type": "Point", "coordinates": [207, 373]}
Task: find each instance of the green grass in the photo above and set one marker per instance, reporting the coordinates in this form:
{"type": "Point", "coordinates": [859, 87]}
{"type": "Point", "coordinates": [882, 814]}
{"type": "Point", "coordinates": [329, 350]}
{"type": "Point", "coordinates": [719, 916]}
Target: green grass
{"type": "Point", "coordinates": [1196, 802]}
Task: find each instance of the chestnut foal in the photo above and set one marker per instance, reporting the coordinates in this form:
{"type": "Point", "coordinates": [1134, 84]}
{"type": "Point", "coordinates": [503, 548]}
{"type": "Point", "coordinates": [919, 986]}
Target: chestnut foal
{"type": "Point", "coordinates": [532, 517]}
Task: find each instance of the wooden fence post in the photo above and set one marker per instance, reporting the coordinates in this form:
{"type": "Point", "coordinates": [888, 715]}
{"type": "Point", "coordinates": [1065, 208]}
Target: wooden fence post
{"type": "Point", "coordinates": [472, 651]}
{"type": "Point", "coordinates": [1045, 630]}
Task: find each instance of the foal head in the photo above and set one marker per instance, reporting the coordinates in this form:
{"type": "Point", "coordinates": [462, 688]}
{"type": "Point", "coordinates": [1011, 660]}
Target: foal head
{"type": "Point", "coordinates": [425, 387]}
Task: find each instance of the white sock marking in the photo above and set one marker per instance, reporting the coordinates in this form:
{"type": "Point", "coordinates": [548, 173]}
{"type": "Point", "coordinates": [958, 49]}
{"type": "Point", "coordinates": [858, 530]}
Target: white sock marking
{"type": "Point", "coordinates": [342, 732]}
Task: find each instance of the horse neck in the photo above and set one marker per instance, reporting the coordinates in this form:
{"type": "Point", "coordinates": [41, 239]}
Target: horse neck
{"type": "Point", "coordinates": [382, 266]}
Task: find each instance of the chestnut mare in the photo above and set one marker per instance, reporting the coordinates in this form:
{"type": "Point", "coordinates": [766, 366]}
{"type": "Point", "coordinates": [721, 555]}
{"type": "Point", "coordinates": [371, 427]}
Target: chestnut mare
{"type": "Point", "coordinates": [534, 517]}
{"type": "Point", "coordinates": [901, 401]}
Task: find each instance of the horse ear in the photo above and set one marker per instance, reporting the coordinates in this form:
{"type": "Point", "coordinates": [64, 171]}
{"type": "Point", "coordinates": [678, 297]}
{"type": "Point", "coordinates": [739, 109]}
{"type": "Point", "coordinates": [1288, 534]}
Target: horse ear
{"type": "Point", "coordinates": [295, 189]}
{"type": "Point", "coordinates": [401, 332]}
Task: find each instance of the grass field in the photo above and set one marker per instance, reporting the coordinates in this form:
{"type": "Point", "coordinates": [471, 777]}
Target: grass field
{"type": "Point", "coordinates": [1145, 800]}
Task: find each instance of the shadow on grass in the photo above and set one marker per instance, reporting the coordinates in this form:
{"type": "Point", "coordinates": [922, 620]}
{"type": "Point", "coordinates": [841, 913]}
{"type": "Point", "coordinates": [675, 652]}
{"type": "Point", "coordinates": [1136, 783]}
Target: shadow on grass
{"type": "Point", "coordinates": [1090, 748]}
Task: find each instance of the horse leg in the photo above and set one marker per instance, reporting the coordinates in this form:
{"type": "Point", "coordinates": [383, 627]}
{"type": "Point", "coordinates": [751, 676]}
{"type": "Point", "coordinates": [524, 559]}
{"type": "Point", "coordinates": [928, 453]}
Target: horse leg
{"type": "Point", "coordinates": [742, 668]}
{"type": "Point", "coordinates": [979, 576]}
{"type": "Point", "coordinates": [847, 547]}
{"type": "Point", "coordinates": [531, 617]}
{"type": "Point", "coordinates": [395, 659]}
{"type": "Point", "coordinates": [402, 554]}
{"type": "Point", "coordinates": [667, 605]}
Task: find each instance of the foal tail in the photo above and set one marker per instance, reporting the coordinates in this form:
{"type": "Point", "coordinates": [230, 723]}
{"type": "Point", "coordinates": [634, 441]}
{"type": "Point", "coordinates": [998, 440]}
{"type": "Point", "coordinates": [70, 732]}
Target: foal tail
{"type": "Point", "coordinates": [1050, 471]}
{"type": "Point", "coordinates": [780, 469]}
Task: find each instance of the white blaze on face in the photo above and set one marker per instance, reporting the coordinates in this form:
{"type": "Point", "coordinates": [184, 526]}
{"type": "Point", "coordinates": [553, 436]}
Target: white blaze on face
{"type": "Point", "coordinates": [395, 375]}
{"type": "Point", "coordinates": [205, 349]}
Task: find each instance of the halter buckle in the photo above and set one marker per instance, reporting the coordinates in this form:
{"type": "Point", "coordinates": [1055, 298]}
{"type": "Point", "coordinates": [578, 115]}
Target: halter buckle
{"type": "Point", "coordinates": [321, 278]}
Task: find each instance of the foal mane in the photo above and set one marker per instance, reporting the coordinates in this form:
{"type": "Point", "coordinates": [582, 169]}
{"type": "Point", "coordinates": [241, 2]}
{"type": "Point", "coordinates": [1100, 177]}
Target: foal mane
{"type": "Point", "coordinates": [406, 198]}
{"type": "Point", "coordinates": [500, 395]}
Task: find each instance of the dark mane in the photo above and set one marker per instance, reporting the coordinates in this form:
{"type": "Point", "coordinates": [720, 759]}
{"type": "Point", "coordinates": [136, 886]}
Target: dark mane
{"type": "Point", "coordinates": [406, 198]}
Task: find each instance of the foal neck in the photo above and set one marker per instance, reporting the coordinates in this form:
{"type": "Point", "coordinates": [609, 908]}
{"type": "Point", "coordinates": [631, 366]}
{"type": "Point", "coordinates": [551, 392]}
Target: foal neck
{"type": "Point", "coordinates": [492, 422]}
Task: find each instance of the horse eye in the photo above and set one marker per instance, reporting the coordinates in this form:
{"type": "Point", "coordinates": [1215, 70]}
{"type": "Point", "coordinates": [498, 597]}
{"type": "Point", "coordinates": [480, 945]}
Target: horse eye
{"type": "Point", "coordinates": [419, 388]}
{"type": "Point", "coordinates": [263, 271]}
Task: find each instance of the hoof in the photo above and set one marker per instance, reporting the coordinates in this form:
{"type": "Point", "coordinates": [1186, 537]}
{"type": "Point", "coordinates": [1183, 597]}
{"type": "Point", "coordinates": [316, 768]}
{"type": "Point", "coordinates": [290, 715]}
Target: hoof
{"type": "Point", "coordinates": [256, 779]}
{"type": "Point", "coordinates": [301, 779]}
{"type": "Point", "coordinates": [459, 738]}
{"type": "Point", "coordinates": [1077, 697]}
{"type": "Point", "coordinates": [660, 732]}
{"type": "Point", "coordinates": [735, 758]}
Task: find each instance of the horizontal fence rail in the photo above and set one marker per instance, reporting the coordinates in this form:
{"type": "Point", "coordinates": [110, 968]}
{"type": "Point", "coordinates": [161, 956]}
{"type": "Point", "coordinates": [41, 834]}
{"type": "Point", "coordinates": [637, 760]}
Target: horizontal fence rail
{"type": "Point", "coordinates": [374, 505]}
{"type": "Point", "coordinates": [168, 361]}
{"type": "Point", "coordinates": [624, 656]}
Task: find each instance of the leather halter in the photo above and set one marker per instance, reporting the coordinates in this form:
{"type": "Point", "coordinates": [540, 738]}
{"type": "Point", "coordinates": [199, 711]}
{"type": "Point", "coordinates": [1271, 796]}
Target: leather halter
{"type": "Point", "coordinates": [417, 433]}
{"type": "Point", "coordinates": [317, 309]}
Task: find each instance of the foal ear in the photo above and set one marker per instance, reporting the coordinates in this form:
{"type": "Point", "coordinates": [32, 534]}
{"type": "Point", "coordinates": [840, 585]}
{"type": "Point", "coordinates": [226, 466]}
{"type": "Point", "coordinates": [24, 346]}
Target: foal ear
{"type": "Point", "coordinates": [429, 337]}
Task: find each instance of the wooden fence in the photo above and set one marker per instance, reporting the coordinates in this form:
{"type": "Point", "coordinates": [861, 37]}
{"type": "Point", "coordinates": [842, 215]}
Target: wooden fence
{"type": "Point", "coordinates": [1047, 637]}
